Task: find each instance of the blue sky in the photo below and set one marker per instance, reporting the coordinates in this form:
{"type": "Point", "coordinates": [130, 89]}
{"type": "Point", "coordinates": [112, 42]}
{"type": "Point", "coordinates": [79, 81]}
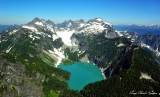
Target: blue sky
{"type": "Point", "coordinates": [113, 11]}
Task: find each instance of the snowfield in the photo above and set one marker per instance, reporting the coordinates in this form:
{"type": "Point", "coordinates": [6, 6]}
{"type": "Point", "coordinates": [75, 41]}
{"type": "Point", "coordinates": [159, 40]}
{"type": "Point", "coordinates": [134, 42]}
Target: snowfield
{"type": "Point", "coordinates": [93, 28]}
{"type": "Point", "coordinates": [39, 23]}
{"type": "Point", "coordinates": [54, 37]}
{"type": "Point", "coordinates": [120, 45]}
{"type": "Point", "coordinates": [58, 54]}
{"type": "Point", "coordinates": [145, 76]}
{"type": "Point", "coordinates": [30, 28]}
{"type": "Point", "coordinates": [66, 36]}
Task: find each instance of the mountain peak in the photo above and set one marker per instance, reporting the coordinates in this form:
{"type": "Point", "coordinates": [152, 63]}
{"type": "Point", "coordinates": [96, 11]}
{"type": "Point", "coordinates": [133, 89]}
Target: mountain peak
{"type": "Point", "coordinates": [97, 20]}
{"type": "Point", "coordinates": [92, 26]}
{"type": "Point", "coordinates": [36, 19]}
{"type": "Point", "coordinates": [50, 22]}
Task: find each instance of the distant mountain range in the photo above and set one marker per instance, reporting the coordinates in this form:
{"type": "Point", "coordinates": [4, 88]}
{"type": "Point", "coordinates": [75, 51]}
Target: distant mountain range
{"type": "Point", "coordinates": [5, 27]}
{"type": "Point", "coordinates": [30, 54]}
{"type": "Point", "coordinates": [141, 29]}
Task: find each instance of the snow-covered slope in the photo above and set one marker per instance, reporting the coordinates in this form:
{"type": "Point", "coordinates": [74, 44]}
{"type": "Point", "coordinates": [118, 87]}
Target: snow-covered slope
{"type": "Point", "coordinates": [45, 35]}
{"type": "Point", "coordinates": [66, 29]}
{"type": "Point", "coordinates": [96, 25]}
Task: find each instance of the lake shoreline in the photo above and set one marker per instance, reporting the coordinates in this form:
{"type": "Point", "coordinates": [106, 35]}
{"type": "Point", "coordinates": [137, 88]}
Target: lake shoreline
{"type": "Point", "coordinates": [82, 73]}
{"type": "Point", "coordinates": [102, 69]}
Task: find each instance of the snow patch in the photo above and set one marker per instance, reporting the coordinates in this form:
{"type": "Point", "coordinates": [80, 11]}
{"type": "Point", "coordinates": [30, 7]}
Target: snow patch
{"type": "Point", "coordinates": [81, 52]}
{"type": "Point", "coordinates": [52, 52]}
{"type": "Point", "coordinates": [69, 25]}
{"type": "Point", "coordinates": [132, 40]}
{"type": "Point", "coordinates": [50, 28]}
{"type": "Point", "coordinates": [119, 33]}
{"type": "Point", "coordinates": [39, 33]}
{"type": "Point", "coordinates": [12, 32]}
{"type": "Point", "coordinates": [37, 37]}
{"type": "Point", "coordinates": [30, 28]}
{"type": "Point", "coordinates": [99, 19]}
{"type": "Point", "coordinates": [145, 76]}
{"type": "Point", "coordinates": [136, 48]}
{"type": "Point", "coordinates": [59, 55]}
{"type": "Point", "coordinates": [7, 51]}
{"type": "Point", "coordinates": [93, 28]}
{"type": "Point", "coordinates": [151, 49]}
{"type": "Point", "coordinates": [54, 37]}
{"type": "Point", "coordinates": [103, 75]}
{"type": "Point", "coordinates": [129, 36]}
{"type": "Point", "coordinates": [66, 36]}
{"type": "Point", "coordinates": [108, 24]}
{"type": "Point", "coordinates": [39, 23]}
{"type": "Point", "coordinates": [157, 53]}
{"type": "Point", "coordinates": [31, 37]}
{"type": "Point", "coordinates": [82, 24]}
{"type": "Point", "coordinates": [102, 70]}
{"type": "Point", "coordinates": [120, 45]}
{"type": "Point", "coordinates": [157, 49]}
{"type": "Point", "coordinates": [49, 35]}
{"type": "Point", "coordinates": [34, 37]}
{"type": "Point", "coordinates": [145, 45]}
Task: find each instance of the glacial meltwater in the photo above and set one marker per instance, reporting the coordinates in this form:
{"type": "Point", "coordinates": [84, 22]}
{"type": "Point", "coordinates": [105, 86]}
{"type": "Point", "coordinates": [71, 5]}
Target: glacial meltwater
{"type": "Point", "coordinates": [82, 74]}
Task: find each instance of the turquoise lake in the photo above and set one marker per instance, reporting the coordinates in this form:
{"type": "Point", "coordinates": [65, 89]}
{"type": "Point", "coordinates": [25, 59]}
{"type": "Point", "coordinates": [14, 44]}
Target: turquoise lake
{"type": "Point", "coordinates": [82, 74]}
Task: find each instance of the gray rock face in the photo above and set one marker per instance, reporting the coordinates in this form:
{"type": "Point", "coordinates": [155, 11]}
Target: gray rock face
{"type": "Point", "coordinates": [111, 34]}
{"type": "Point", "coordinates": [15, 81]}
{"type": "Point", "coordinates": [71, 25]}
{"type": "Point", "coordinates": [151, 40]}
